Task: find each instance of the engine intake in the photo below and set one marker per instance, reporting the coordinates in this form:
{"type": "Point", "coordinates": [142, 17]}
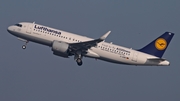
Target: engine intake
{"type": "Point", "coordinates": [60, 49]}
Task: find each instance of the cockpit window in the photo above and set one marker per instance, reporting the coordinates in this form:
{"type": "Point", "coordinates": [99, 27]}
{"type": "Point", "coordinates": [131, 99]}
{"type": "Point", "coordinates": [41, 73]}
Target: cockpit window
{"type": "Point", "coordinates": [19, 25]}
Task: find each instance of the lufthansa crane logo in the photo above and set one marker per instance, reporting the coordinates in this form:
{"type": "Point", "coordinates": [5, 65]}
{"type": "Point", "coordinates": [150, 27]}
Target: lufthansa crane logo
{"type": "Point", "coordinates": [161, 44]}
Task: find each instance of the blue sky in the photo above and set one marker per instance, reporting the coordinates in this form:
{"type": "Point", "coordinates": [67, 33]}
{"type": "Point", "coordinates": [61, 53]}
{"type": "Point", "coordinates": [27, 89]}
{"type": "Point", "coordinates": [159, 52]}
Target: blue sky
{"type": "Point", "coordinates": [36, 74]}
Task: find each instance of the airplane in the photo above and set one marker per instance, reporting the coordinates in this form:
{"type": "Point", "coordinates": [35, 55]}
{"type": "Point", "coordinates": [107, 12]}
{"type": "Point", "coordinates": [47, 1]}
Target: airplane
{"type": "Point", "coordinates": [66, 44]}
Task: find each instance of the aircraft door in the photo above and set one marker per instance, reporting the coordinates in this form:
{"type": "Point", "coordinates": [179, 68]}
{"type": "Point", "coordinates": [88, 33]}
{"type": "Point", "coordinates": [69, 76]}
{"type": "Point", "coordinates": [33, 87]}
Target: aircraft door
{"type": "Point", "coordinates": [29, 28]}
{"type": "Point", "coordinates": [135, 56]}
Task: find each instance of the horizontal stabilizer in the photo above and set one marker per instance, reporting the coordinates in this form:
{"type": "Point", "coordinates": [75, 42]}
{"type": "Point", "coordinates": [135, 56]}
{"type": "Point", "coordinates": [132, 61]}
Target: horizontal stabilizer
{"type": "Point", "coordinates": [156, 59]}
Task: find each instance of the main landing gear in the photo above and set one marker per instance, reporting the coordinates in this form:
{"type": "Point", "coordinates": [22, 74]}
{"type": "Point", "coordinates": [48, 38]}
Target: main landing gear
{"type": "Point", "coordinates": [79, 62]}
{"type": "Point", "coordinates": [78, 58]}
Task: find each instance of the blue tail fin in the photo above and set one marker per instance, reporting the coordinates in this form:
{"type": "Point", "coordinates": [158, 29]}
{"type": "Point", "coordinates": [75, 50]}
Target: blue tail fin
{"type": "Point", "coordinates": [159, 45]}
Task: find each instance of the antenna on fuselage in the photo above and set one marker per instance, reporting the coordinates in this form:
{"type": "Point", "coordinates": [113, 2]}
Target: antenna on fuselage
{"type": "Point", "coordinates": [34, 22]}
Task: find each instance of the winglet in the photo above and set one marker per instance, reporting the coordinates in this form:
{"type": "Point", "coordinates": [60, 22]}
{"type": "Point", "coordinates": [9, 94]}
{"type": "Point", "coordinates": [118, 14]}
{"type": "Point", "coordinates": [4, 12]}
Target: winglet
{"type": "Point", "coordinates": [105, 35]}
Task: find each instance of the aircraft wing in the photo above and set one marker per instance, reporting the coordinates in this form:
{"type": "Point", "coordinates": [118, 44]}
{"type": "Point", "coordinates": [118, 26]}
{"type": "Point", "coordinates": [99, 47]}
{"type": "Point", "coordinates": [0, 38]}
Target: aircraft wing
{"type": "Point", "coordinates": [88, 44]}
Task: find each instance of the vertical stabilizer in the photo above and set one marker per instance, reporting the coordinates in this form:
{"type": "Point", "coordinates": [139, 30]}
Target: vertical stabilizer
{"type": "Point", "coordinates": [159, 45]}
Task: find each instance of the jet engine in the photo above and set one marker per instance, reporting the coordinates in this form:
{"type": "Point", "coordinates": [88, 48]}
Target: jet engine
{"type": "Point", "coordinates": [60, 49]}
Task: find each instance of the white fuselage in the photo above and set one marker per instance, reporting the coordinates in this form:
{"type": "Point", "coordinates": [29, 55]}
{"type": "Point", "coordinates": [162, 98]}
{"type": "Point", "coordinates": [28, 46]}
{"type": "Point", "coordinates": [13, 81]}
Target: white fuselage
{"type": "Point", "coordinates": [103, 51]}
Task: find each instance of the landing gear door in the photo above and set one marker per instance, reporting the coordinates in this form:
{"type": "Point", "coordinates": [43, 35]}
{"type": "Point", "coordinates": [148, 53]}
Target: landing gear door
{"type": "Point", "coordinates": [29, 28]}
{"type": "Point", "coordinates": [135, 56]}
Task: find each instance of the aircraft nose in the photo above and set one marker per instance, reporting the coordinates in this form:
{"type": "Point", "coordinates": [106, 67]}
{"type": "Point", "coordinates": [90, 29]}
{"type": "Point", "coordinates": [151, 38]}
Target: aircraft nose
{"type": "Point", "coordinates": [9, 29]}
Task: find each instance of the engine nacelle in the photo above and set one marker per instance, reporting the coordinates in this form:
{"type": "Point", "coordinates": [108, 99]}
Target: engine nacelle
{"type": "Point", "coordinates": [60, 49]}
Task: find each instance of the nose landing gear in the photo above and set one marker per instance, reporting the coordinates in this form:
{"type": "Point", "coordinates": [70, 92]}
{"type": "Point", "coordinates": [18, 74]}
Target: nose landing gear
{"type": "Point", "coordinates": [24, 46]}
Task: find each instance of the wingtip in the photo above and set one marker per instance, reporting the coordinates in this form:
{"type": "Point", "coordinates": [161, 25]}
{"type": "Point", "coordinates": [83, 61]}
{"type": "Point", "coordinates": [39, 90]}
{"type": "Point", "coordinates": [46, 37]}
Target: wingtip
{"type": "Point", "coordinates": [105, 35]}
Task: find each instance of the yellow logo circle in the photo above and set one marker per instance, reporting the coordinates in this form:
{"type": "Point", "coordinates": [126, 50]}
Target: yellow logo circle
{"type": "Point", "coordinates": [160, 44]}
